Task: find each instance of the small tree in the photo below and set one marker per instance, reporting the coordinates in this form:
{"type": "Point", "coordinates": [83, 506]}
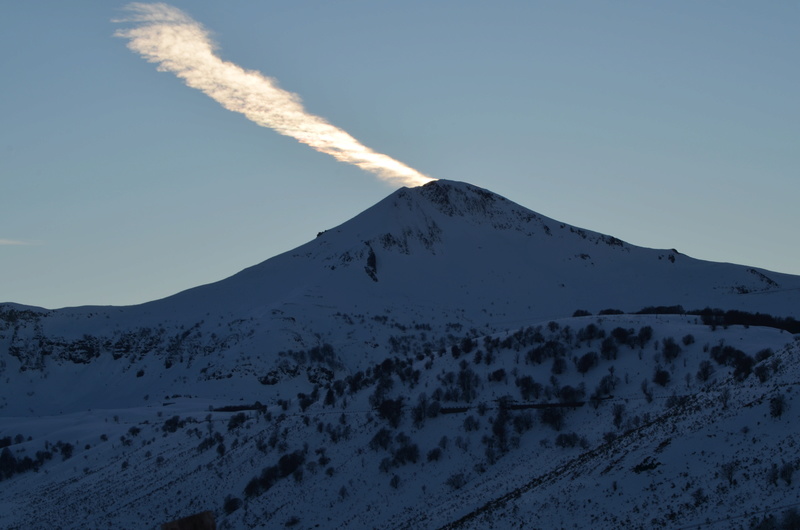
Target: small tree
{"type": "Point", "coordinates": [434, 454]}
{"type": "Point", "coordinates": [699, 497]}
{"type": "Point", "coordinates": [253, 488]}
{"type": "Point", "coordinates": [559, 366]}
{"type": "Point", "coordinates": [420, 412]}
{"type": "Point", "coordinates": [648, 393]}
{"type": "Point", "coordinates": [725, 397]}
{"type": "Point", "coordinates": [608, 349]}
{"type": "Point", "coordinates": [471, 424]}
{"type": "Point", "coordinates": [743, 366]}
{"type": "Point", "coordinates": [645, 334]}
{"type": "Point", "coordinates": [762, 372]}
{"type": "Point", "coordinates": [8, 463]}
{"type": "Point", "coordinates": [587, 362]}
{"type": "Point", "coordinates": [528, 388]}
{"type": "Point", "coordinates": [456, 481]}
{"type": "Point", "coordinates": [670, 349]}
{"type": "Point", "coordinates": [787, 470]}
{"type": "Point", "coordinates": [661, 377]}
{"type": "Point", "coordinates": [66, 451]}
{"type": "Point", "coordinates": [232, 504]}
{"type": "Point", "coordinates": [288, 463]}
{"type": "Point", "coordinates": [773, 474]}
{"type": "Point", "coordinates": [777, 406]}
{"type": "Point", "coordinates": [236, 421]}
{"type": "Point", "coordinates": [704, 371]}
{"type": "Point", "coordinates": [728, 471]}
{"type": "Point", "coordinates": [391, 410]}
{"type": "Point", "coordinates": [172, 424]}
{"type": "Point", "coordinates": [567, 440]}
{"type": "Point", "coordinates": [619, 414]}
{"type": "Point", "coordinates": [553, 416]}
{"type": "Point", "coordinates": [381, 440]}
{"type": "Point", "coordinates": [330, 398]}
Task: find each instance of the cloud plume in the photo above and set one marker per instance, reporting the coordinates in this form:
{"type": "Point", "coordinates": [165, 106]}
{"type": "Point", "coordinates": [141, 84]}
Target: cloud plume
{"type": "Point", "coordinates": [177, 43]}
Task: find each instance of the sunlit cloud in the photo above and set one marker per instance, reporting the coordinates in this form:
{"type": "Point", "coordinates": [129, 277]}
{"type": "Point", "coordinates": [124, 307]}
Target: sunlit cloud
{"type": "Point", "coordinates": [174, 41]}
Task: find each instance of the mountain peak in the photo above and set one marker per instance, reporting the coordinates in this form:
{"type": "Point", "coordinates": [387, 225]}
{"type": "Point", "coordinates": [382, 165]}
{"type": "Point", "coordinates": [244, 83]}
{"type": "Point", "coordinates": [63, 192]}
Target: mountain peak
{"type": "Point", "coordinates": [453, 205]}
{"type": "Point", "coordinates": [451, 244]}
{"type": "Point", "coordinates": [454, 198]}
{"type": "Point", "coordinates": [422, 217]}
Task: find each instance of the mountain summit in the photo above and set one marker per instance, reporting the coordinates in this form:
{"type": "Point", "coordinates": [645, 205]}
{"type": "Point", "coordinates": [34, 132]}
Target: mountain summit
{"type": "Point", "coordinates": [452, 249]}
{"type": "Point", "coordinates": [453, 245]}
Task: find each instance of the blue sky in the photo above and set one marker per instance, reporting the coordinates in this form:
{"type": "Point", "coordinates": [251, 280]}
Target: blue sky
{"type": "Point", "coordinates": [664, 124]}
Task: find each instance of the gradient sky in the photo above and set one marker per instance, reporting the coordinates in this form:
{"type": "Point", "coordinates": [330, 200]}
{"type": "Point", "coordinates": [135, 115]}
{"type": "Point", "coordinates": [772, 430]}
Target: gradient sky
{"type": "Point", "coordinates": [666, 124]}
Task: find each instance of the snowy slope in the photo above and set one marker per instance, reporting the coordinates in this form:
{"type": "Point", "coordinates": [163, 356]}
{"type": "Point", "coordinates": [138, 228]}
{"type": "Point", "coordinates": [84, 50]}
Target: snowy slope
{"type": "Point", "coordinates": [443, 254]}
{"type": "Point", "coordinates": [471, 298]}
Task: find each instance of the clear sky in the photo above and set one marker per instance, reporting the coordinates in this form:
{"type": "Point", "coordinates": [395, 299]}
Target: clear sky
{"type": "Point", "coordinates": [666, 124]}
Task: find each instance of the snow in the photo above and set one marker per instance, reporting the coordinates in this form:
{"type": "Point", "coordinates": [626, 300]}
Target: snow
{"type": "Point", "coordinates": [451, 261]}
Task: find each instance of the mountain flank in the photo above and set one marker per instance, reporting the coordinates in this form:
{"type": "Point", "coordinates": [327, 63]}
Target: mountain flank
{"type": "Point", "coordinates": [446, 358]}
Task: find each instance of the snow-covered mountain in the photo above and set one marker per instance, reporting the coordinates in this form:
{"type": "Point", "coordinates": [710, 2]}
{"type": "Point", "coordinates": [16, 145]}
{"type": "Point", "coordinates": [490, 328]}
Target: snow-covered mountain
{"type": "Point", "coordinates": [402, 370]}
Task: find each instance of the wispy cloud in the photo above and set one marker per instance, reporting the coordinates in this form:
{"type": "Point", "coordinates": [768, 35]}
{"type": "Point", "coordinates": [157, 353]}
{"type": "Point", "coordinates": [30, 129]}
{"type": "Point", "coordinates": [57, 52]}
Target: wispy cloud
{"type": "Point", "coordinates": [15, 242]}
{"type": "Point", "coordinates": [170, 38]}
